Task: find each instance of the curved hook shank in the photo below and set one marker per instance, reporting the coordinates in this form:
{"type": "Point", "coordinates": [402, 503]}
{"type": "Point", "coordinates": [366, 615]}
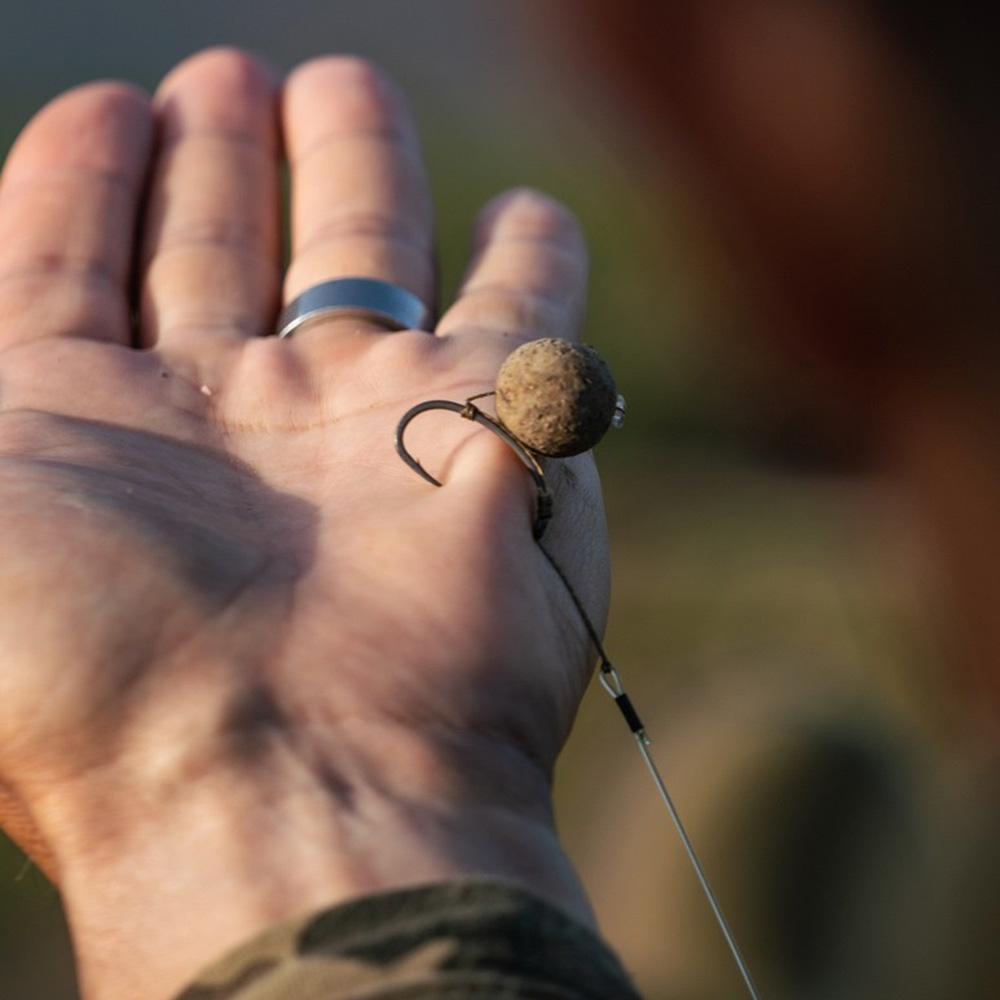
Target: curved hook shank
{"type": "Point", "coordinates": [543, 506]}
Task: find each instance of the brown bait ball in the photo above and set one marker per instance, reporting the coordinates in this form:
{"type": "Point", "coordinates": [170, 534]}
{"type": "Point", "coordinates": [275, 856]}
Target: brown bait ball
{"type": "Point", "coordinates": [556, 397]}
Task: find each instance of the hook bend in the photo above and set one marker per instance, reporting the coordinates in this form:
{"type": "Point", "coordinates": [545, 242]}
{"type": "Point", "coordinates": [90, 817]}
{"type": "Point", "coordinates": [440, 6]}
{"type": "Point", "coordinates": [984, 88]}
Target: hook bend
{"type": "Point", "coordinates": [543, 504]}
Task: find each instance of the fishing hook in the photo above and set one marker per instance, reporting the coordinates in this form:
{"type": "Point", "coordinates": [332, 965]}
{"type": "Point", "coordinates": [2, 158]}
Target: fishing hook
{"type": "Point", "coordinates": [468, 410]}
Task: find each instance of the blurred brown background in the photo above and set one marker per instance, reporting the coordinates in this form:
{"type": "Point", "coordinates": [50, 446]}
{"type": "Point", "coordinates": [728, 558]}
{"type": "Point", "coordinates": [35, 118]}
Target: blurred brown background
{"type": "Point", "coordinates": [776, 615]}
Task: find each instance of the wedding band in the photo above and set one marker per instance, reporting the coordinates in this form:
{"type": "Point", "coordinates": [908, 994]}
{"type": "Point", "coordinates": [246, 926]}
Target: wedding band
{"type": "Point", "coordinates": [364, 298]}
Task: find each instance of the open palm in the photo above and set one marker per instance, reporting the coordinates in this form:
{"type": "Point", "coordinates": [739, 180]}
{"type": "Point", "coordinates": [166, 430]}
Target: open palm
{"type": "Point", "coordinates": [207, 536]}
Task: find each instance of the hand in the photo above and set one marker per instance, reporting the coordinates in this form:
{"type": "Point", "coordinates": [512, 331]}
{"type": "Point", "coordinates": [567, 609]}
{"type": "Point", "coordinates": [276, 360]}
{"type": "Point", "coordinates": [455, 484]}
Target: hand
{"type": "Point", "coordinates": [250, 662]}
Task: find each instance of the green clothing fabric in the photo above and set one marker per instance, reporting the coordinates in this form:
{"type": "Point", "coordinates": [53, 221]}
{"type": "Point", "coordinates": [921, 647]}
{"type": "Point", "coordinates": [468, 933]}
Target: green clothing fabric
{"type": "Point", "coordinates": [482, 940]}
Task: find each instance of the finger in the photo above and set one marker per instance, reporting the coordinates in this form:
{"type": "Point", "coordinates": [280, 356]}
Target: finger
{"type": "Point", "coordinates": [69, 194]}
{"type": "Point", "coordinates": [211, 249]}
{"type": "Point", "coordinates": [360, 200]}
{"type": "Point", "coordinates": [528, 271]}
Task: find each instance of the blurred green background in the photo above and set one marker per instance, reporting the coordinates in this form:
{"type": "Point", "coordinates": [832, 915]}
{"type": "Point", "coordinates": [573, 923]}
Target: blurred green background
{"type": "Point", "coordinates": [772, 611]}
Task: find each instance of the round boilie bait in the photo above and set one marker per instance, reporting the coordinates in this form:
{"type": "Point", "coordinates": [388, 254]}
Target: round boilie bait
{"type": "Point", "coordinates": [556, 397]}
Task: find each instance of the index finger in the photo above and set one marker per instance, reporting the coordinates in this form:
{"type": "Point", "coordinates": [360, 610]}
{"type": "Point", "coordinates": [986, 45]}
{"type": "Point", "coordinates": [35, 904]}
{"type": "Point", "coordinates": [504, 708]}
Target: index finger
{"type": "Point", "coordinates": [68, 200]}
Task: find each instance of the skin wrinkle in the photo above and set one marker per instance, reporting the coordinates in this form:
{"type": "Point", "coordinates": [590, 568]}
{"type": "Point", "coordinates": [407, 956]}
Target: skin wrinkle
{"type": "Point", "coordinates": [208, 238]}
{"type": "Point", "coordinates": [497, 757]}
{"type": "Point", "coordinates": [460, 389]}
{"type": "Point", "coordinates": [507, 290]}
{"type": "Point", "coordinates": [351, 223]}
{"type": "Point", "coordinates": [234, 429]}
{"type": "Point", "coordinates": [254, 748]}
{"type": "Point", "coordinates": [173, 134]}
{"type": "Point", "coordinates": [234, 329]}
{"type": "Point", "coordinates": [552, 245]}
{"type": "Point", "coordinates": [284, 580]}
{"type": "Point", "coordinates": [557, 298]}
{"type": "Point", "coordinates": [254, 715]}
{"type": "Point", "coordinates": [530, 305]}
{"type": "Point", "coordinates": [53, 265]}
{"type": "Point", "coordinates": [399, 142]}
{"type": "Point", "coordinates": [11, 188]}
{"type": "Point", "coordinates": [212, 234]}
{"type": "Point", "coordinates": [104, 311]}
{"type": "Point", "coordinates": [434, 722]}
{"type": "Point", "coordinates": [82, 329]}
{"type": "Point", "coordinates": [471, 329]}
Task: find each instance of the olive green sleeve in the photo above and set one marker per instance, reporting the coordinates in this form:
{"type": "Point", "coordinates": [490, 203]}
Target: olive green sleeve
{"type": "Point", "coordinates": [482, 940]}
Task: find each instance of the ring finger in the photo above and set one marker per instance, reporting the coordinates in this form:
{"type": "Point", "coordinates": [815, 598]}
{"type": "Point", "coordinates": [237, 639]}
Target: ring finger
{"type": "Point", "coordinates": [360, 200]}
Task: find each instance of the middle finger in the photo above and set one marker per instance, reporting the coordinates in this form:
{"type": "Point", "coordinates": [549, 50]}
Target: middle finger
{"type": "Point", "coordinates": [211, 251]}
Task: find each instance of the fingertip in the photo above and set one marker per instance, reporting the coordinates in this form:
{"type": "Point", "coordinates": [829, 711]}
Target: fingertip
{"type": "Point", "coordinates": [115, 96]}
{"type": "Point", "coordinates": [346, 70]}
{"type": "Point", "coordinates": [90, 127]}
{"type": "Point", "coordinates": [222, 64]}
{"type": "Point", "coordinates": [367, 98]}
{"type": "Point", "coordinates": [232, 83]}
{"type": "Point", "coordinates": [527, 270]}
{"type": "Point", "coordinates": [529, 214]}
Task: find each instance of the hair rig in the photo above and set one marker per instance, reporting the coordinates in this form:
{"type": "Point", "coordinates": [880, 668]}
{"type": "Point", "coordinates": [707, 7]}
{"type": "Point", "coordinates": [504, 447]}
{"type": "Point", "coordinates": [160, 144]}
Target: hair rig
{"type": "Point", "coordinates": [555, 399]}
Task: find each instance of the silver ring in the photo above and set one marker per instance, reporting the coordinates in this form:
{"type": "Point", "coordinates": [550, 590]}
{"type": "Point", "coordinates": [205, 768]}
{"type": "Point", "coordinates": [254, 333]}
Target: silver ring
{"type": "Point", "coordinates": [365, 298]}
